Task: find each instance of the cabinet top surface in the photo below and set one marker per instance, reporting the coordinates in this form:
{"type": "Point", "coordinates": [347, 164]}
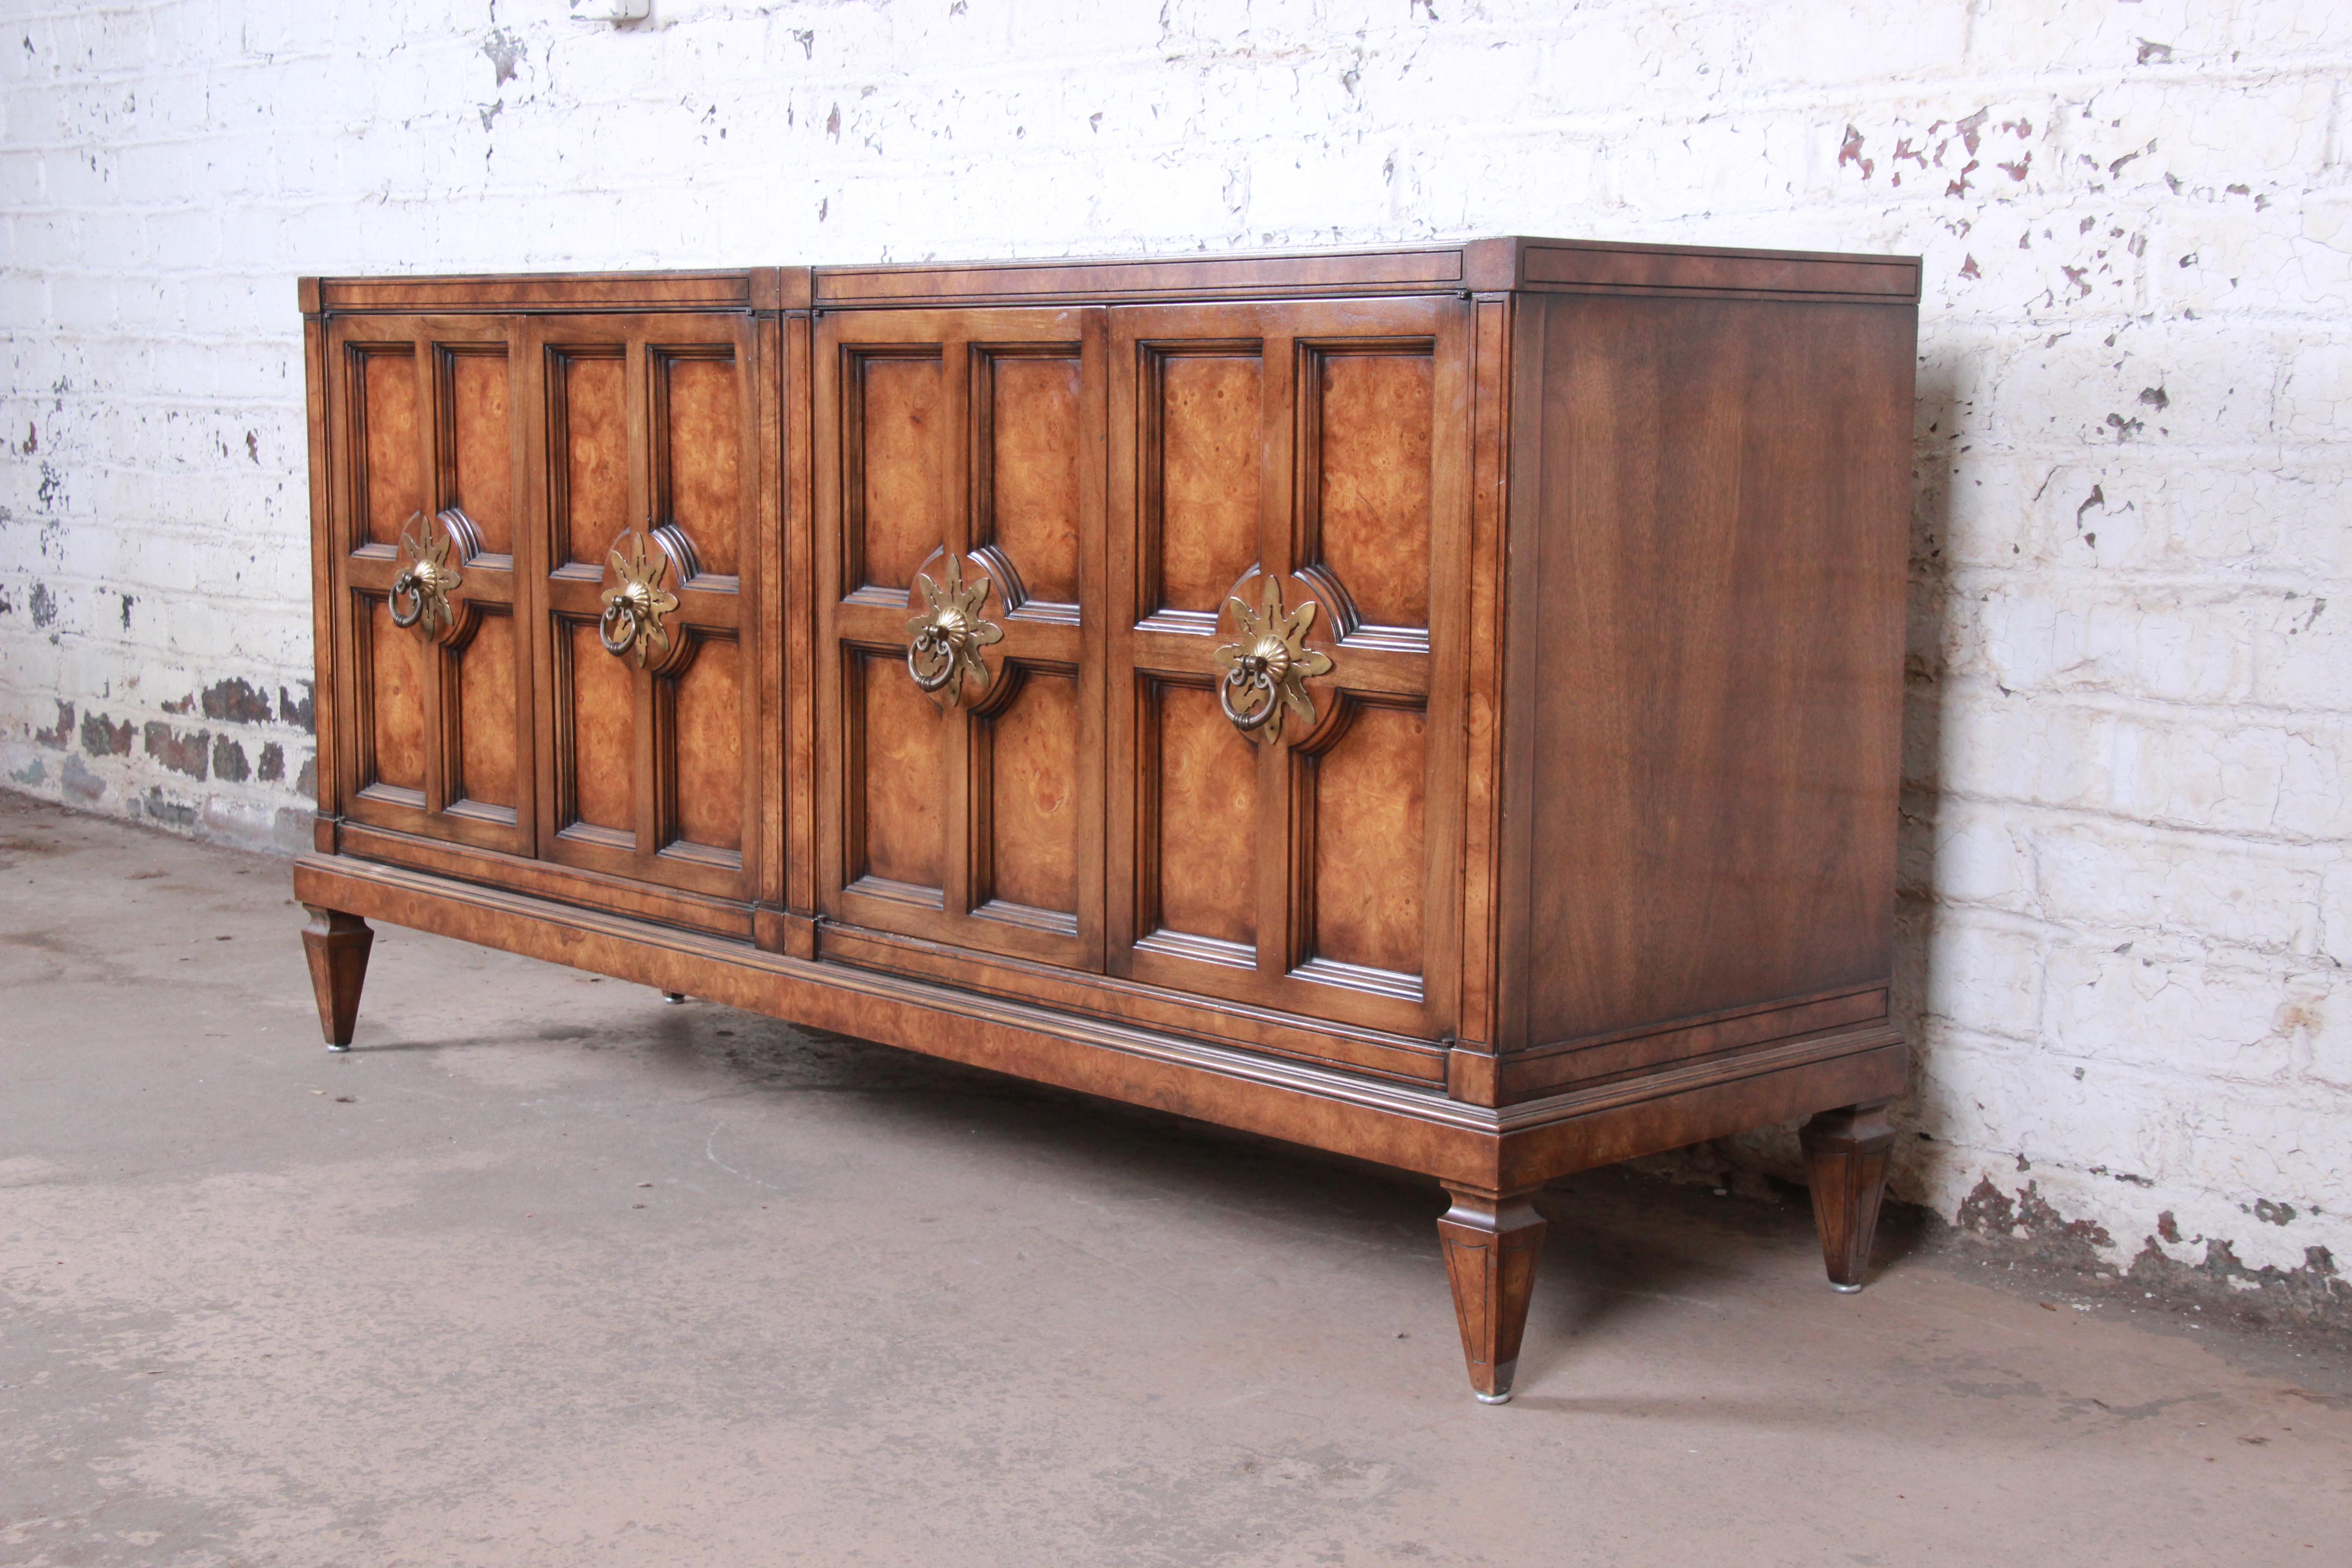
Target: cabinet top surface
{"type": "Point", "coordinates": [1476, 266]}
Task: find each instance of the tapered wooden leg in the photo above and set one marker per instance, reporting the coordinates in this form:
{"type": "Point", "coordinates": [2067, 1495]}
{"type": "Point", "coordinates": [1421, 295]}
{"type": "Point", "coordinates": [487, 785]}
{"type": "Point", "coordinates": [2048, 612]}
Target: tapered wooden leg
{"type": "Point", "coordinates": [337, 945]}
{"type": "Point", "coordinates": [1492, 1241]}
{"type": "Point", "coordinates": [1846, 1156]}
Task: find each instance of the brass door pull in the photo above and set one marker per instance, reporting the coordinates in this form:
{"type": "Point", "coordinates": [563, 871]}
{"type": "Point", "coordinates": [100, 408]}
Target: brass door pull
{"type": "Point", "coordinates": [1268, 668]}
{"type": "Point", "coordinates": [949, 633]}
{"type": "Point", "coordinates": [428, 576]}
{"type": "Point", "coordinates": [638, 605]}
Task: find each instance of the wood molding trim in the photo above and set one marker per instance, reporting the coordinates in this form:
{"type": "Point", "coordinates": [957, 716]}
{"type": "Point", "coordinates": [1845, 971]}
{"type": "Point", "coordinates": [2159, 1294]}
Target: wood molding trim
{"type": "Point", "coordinates": [1416, 1129]}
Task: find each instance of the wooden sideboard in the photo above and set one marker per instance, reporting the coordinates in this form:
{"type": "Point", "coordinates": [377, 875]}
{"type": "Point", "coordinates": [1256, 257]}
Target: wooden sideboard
{"type": "Point", "coordinates": [1439, 704]}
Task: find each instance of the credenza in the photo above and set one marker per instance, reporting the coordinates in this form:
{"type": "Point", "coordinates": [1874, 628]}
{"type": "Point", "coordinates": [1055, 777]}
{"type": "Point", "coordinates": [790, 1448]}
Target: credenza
{"type": "Point", "coordinates": [1439, 704]}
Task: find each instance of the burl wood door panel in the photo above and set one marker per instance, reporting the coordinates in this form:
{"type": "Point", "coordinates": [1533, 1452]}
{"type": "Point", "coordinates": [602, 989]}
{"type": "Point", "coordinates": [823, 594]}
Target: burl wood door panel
{"type": "Point", "coordinates": [427, 443]}
{"type": "Point", "coordinates": [960, 454]}
{"type": "Point", "coordinates": [1320, 449]}
{"type": "Point", "coordinates": [648, 475]}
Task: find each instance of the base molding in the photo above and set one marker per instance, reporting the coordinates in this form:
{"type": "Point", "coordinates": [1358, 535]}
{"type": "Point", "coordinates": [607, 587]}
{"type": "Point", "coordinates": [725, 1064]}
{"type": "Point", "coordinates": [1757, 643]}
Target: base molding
{"type": "Point", "coordinates": [1408, 1126]}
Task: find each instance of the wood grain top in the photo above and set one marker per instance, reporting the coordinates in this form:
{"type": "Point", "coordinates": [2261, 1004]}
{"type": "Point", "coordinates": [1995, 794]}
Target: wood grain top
{"type": "Point", "coordinates": [749, 289]}
{"type": "Point", "coordinates": [1476, 266]}
{"type": "Point", "coordinates": [1473, 267]}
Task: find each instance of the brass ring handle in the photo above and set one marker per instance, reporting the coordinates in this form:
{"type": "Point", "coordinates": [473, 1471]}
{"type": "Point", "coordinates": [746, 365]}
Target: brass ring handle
{"type": "Point", "coordinates": [621, 615]}
{"type": "Point", "coordinates": [1272, 658]}
{"type": "Point", "coordinates": [406, 586]}
{"type": "Point", "coordinates": [1249, 681]}
{"type": "Point", "coordinates": [634, 619]}
{"type": "Point", "coordinates": [943, 652]}
{"type": "Point", "coordinates": [938, 649]}
{"type": "Point", "coordinates": [427, 578]}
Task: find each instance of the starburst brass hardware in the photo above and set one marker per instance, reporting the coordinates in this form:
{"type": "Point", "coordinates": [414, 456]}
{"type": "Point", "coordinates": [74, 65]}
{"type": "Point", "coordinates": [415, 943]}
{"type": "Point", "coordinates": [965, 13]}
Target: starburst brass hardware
{"type": "Point", "coordinates": [639, 603]}
{"type": "Point", "coordinates": [432, 554]}
{"type": "Point", "coordinates": [1268, 668]}
{"type": "Point", "coordinates": [949, 635]}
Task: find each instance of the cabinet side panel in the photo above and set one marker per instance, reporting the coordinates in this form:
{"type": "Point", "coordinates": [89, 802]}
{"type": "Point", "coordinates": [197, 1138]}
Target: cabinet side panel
{"type": "Point", "coordinates": [1716, 700]}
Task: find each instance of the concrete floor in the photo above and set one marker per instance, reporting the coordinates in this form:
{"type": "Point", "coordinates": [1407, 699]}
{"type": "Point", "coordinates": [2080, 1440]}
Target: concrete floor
{"type": "Point", "coordinates": [549, 1272]}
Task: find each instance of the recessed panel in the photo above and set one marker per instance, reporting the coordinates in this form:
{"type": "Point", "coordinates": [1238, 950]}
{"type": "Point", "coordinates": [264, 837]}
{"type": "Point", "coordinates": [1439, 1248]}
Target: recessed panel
{"type": "Point", "coordinates": [898, 772]}
{"type": "Point", "coordinates": [704, 438]}
{"type": "Point", "coordinates": [901, 446]}
{"type": "Point", "coordinates": [396, 698]}
{"type": "Point", "coordinates": [1369, 799]}
{"type": "Point", "coordinates": [482, 463]}
{"type": "Point", "coordinates": [604, 732]}
{"type": "Point", "coordinates": [1372, 481]}
{"type": "Point", "coordinates": [1203, 816]}
{"type": "Point", "coordinates": [709, 729]}
{"type": "Point", "coordinates": [390, 484]}
{"type": "Point", "coordinates": [486, 713]}
{"type": "Point", "coordinates": [592, 448]}
{"type": "Point", "coordinates": [1208, 452]}
{"type": "Point", "coordinates": [1033, 794]}
{"type": "Point", "coordinates": [1033, 476]}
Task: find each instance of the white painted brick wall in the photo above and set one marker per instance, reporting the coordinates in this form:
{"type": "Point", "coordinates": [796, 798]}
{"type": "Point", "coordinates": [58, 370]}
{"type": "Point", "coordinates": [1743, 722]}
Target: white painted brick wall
{"type": "Point", "coordinates": [2129, 898]}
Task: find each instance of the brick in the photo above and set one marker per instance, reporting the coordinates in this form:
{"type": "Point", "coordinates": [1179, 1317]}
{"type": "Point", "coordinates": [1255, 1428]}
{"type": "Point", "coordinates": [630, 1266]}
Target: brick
{"type": "Point", "coordinates": [1973, 854]}
{"type": "Point", "coordinates": [1989, 971]}
{"type": "Point", "coordinates": [2315, 400]}
{"type": "Point", "coordinates": [2224, 253]}
{"type": "Point", "coordinates": [2047, 634]}
{"type": "Point", "coordinates": [2183, 130]}
{"type": "Point", "coordinates": [2335, 912]}
{"type": "Point", "coordinates": [2102, 38]}
{"type": "Point", "coordinates": [2159, 1006]}
{"type": "Point", "coordinates": [2091, 388]}
{"type": "Point", "coordinates": [2122, 879]}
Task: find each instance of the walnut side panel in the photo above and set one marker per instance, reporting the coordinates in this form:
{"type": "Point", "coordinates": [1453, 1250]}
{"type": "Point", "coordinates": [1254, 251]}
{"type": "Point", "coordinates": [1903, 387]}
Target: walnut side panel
{"type": "Point", "coordinates": [1713, 701]}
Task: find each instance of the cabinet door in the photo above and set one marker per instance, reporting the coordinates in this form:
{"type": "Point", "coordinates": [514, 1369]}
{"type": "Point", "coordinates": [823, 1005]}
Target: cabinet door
{"type": "Point", "coordinates": [1268, 458]}
{"type": "Point", "coordinates": [648, 505]}
{"type": "Point", "coordinates": [433, 692]}
{"type": "Point", "coordinates": [960, 486]}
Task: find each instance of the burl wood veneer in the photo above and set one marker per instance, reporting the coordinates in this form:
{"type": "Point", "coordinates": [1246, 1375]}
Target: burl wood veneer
{"type": "Point", "coordinates": [1435, 704]}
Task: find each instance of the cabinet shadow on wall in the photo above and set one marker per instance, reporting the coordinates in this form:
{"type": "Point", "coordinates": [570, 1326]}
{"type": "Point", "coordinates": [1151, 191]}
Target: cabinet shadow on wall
{"type": "Point", "coordinates": [1943, 423]}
